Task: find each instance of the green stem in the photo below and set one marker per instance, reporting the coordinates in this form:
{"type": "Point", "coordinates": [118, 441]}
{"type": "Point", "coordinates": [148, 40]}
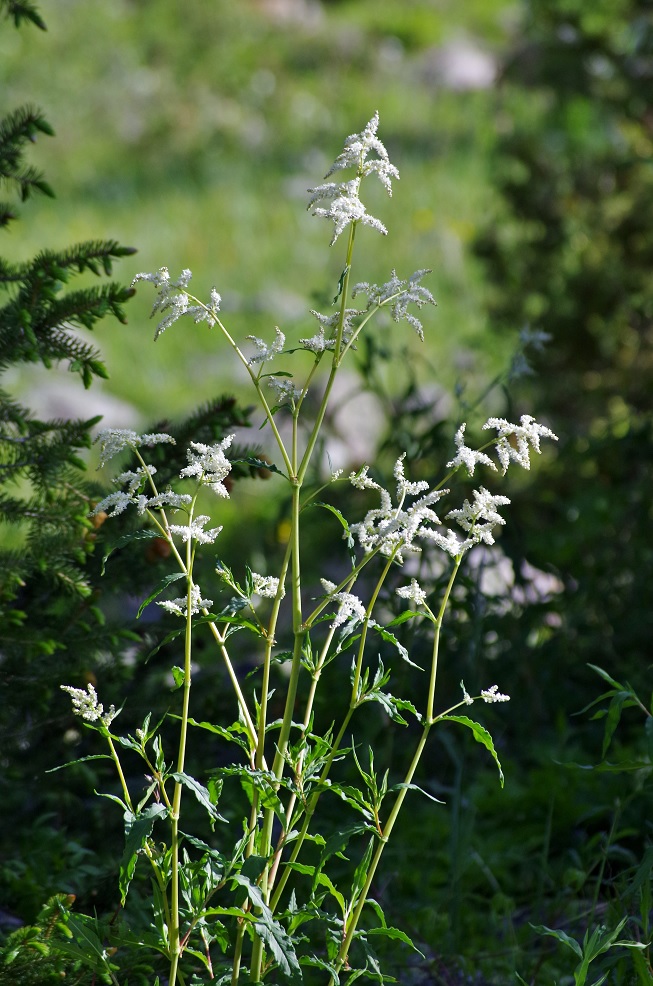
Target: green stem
{"type": "Point", "coordinates": [392, 818]}
{"type": "Point", "coordinates": [436, 640]}
{"type": "Point", "coordinates": [175, 939]}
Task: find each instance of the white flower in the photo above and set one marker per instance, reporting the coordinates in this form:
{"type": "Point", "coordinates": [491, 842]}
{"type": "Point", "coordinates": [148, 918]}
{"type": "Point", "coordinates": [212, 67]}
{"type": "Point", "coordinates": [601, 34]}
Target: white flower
{"type": "Point", "coordinates": [265, 585]}
{"type": "Point", "coordinates": [318, 343]}
{"type": "Point", "coordinates": [266, 353]}
{"type": "Point", "coordinates": [449, 543]}
{"type": "Point", "coordinates": [393, 529]}
{"type": "Point", "coordinates": [195, 531]}
{"type": "Point", "coordinates": [468, 457]}
{"type": "Point", "coordinates": [350, 608]}
{"type": "Point", "coordinates": [167, 499]}
{"type": "Point", "coordinates": [413, 591]}
{"type": "Point", "coordinates": [346, 206]}
{"type": "Point", "coordinates": [401, 294]}
{"type": "Point", "coordinates": [114, 440]}
{"type": "Point", "coordinates": [86, 705]}
{"type": "Point", "coordinates": [492, 694]}
{"type": "Point", "coordinates": [113, 504]}
{"type": "Point", "coordinates": [529, 431]}
{"type": "Point", "coordinates": [480, 517]}
{"type": "Point", "coordinates": [180, 606]}
{"type": "Point", "coordinates": [355, 152]}
{"type": "Point", "coordinates": [133, 480]}
{"type": "Point", "coordinates": [209, 464]}
{"type": "Point", "coordinates": [178, 304]}
{"type": "Point", "coordinates": [285, 390]}
{"type": "Point", "coordinates": [467, 698]}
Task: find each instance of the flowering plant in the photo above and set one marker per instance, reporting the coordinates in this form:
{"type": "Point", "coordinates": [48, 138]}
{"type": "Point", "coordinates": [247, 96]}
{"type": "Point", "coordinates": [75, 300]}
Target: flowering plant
{"type": "Point", "coordinates": [263, 904]}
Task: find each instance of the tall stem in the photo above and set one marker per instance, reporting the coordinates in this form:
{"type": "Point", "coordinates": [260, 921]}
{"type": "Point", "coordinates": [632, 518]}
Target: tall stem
{"type": "Point", "coordinates": [175, 938]}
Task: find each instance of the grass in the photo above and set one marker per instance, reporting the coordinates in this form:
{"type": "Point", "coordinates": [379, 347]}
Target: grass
{"type": "Point", "coordinates": [193, 136]}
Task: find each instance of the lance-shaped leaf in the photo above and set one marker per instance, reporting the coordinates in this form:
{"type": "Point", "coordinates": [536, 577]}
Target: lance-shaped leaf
{"type": "Point", "coordinates": [481, 736]}
{"type": "Point", "coordinates": [138, 829]}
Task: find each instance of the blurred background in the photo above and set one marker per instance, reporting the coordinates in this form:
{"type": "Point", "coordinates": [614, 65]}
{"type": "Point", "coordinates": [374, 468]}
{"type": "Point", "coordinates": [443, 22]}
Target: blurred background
{"type": "Point", "coordinates": [193, 133]}
{"type": "Point", "coordinates": [523, 133]}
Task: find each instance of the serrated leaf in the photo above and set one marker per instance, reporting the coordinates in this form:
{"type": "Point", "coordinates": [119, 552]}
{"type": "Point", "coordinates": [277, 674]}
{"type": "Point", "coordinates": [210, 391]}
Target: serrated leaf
{"type": "Point", "coordinates": [481, 736]}
{"type": "Point", "coordinates": [351, 544]}
{"type": "Point", "coordinates": [408, 614]}
{"type": "Point", "coordinates": [561, 936]}
{"type": "Point", "coordinates": [606, 677]}
{"type": "Point", "coordinates": [395, 934]}
{"type": "Point", "coordinates": [280, 946]}
{"type": "Point", "coordinates": [228, 734]}
{"type": "Point", "coordinates": [138, 829]}
{"type": "Point", "coordinates": [178, 675]}
{"type": "Point", "coordinates": [253, 460]}
{"type": "Point", "coordinates": [613, 717]}
{"type": "Point", "coordinates": [163, 584]}
{"type": "Point", "coordinates": [360, 874]}
{"type": "Point", "coordinates": [201, 794]}
{"type": "Point", "coordinates": [648, 734]}
{"type": "Point", "coordinates": [416, 787]}
{"type": "Point", "coordinates": [145, 534]}
{"type": "Point", "coordinates": [93, 756]}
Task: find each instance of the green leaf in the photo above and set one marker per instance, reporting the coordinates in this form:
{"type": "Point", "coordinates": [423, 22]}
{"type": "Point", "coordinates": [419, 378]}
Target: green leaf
{"type": "Point", "coordinates": [325, 881]}
{"type": "Point", "coordinates": [561, 936]}
{"type": "Point", "coordinates": [71, 763]}
{"type": "Point", "coordinates": [613, 717]}
{"type": "Point", "coordinates": [606, 677]}
{"type": "Point", "coordinates": [396, 935]}
{"type": "Point", "coordinates": [280, 945]}
{"type": "Point", "coordinates": [253, 460]}
{"type": "Point", "coordinates": [481, 736]}
{"type": "Point", "coordinates": [345, 525]}
{"type": "Point", "coordinates": [230, 733]}
{"type": "Point", "coordinates": [138, 829]}
{"type": "Point", "coordinates": [648, 734]}
{"type": "Point", "coordinates": [201, 794]}
{"type": "Point", "coordinates": [360, 874]}
{"type": "Point", "coordinates": [416, 787]}
{"type": "Point", "coordinates": [145, 534]}
{"type": "Point", "coordinates": [341, 283]}
{"type": "Point", "coordinates": [163, 584]}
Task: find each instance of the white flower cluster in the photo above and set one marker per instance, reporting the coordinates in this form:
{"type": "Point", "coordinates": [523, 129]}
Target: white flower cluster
{"type": "Point", "coordinates": [179, 607]}
{"type": "Point", "coordinates": [319, 342]}
{"type": "Point", "coordinates": [345, 205]}
{"type": "Point", "coordinates": [350, 608]}
{"type": "Point", "coordinates": [265, 586]}
{"type": "Point", "coordinates": [492, 694]}
{"type": "Point", "coordinates": [414, 592]}
{"type": "Point", "coordinates": [525, 433]}
{"type": "Point", "coordinates": [264, 352]}
{"type": "Point", "coordinates": [393, 529]}
{"type": "Point", "coordinates": [195, 531]}
{"type": "Point", "coordinates": [478, 519]}
{"type": "Point", "coordinates": [173, 299]}
{"type": "Point", "coordinates": [468, 457]}
{"type": "Point", "coordinates": [86, 705]}
{"type": "Point", "coordinates": [114, 440]}
{"type": "Point", "coordinates": [209, 464]}
{"type": "Point", "coordinates": [284, 390]}
{"type": "Point", "coordinates": [489, 695]}
{"type": "Point", "coordinates": [401, 294]}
